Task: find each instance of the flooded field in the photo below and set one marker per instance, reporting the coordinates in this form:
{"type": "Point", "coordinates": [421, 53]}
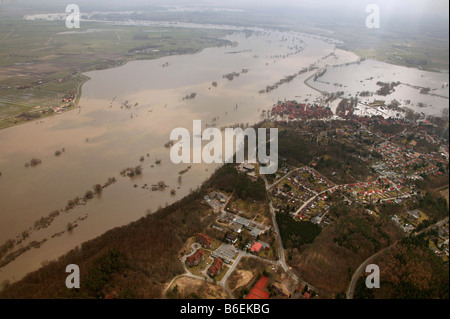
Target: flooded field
{"type": "Point", "coordinates": [355, 78]}
{"type": "Point", "coordinates": [125, 118]}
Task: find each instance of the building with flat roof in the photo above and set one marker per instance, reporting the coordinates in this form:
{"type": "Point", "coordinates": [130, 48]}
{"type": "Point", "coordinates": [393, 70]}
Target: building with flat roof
{"type": "Point", "coordinates": [231, 238]}
{"type": "Point", "coordinates": [414, 213]}
{"type": "Point", "coordinates": [243, 221]}
{"type": "Point", "coordinates": [236, 227]}
{"type": "Point", "coordinates": [255, 232]}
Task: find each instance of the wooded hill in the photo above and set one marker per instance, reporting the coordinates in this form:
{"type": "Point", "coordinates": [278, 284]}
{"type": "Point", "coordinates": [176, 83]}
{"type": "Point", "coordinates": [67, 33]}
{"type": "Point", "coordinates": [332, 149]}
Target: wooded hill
{"type": "Point", "coordinates": [330, 260]}
{"type": "Point", "coordinates": [409, 271]}
{"type": "Point", "coordinates": [136, 260]}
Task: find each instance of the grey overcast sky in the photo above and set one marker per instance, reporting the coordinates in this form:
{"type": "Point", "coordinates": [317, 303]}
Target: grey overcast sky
{"type": "Point", "coordinates": [441, 6]}
{"type": "Point", "coordinates": [405, 8]}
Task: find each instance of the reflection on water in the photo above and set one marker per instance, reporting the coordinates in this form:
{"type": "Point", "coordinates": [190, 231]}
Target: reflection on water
{"type": "Point", "coordinates": [358, 77]}
{"type": "Point", "coordinates": [127, 112]}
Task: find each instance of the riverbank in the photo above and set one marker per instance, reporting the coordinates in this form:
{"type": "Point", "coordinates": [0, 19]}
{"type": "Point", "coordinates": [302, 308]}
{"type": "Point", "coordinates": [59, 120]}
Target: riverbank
{"type": "Point", "coordinates": [32, 84]}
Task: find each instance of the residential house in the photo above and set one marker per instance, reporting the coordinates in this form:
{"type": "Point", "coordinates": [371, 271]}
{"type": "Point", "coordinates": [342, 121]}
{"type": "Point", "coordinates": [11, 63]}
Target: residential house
{"type": "Point", "coordinates": [264, 245]}
{"type": "Point", "coordinates": [204, 240]}
{"type": "Point", "coordinates": [256, 248]}
{"type": "Point", "coordinates": [216, 267]}
{"type": "Point", "coordinates": [195, 258]}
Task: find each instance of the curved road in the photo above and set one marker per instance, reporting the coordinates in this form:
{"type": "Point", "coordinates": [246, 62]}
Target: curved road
{"type": "Point", "coordinates": [282, 260]}
{"type": "Point", "coordinates": [359, 270]}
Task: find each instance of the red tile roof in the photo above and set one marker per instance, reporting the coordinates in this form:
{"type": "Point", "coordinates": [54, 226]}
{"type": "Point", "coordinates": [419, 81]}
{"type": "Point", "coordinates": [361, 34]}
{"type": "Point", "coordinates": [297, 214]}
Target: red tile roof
{"type": "Point", "coordinates": [203, 239]}
{"type": "Point", "coordinates": [215, 267]}
{"type": "Point", "coordinates": [196, 256]}
{"type": "Point", "coordinates": [256, 247]}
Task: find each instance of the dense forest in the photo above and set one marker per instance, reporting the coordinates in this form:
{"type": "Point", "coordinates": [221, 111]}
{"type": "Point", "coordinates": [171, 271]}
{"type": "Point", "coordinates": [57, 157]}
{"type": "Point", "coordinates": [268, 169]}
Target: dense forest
{"type": "Point", "coordinates": [296, 233]}
{"type": "Point", "coordinates": [228, 179]}
{"type": "Point", "coordinates": [329, 262]}
{"type": "Point", "coordinates": [410, 270]}
{"type": "Point", "coordinates": [247, 189]}
{"type": "Point", "coordinates": [436, 207]}
{"type": "Point", "coordinates": [136, 260]}
{"type": "Point", "coordinates": [358, 232]}
{"type": "Point", "coordinates": [132, 261]}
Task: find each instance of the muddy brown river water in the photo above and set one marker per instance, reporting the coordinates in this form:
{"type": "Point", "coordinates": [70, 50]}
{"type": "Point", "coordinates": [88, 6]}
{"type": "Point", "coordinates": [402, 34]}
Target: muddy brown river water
{"type": "Point", "coordinates": [104, 136]}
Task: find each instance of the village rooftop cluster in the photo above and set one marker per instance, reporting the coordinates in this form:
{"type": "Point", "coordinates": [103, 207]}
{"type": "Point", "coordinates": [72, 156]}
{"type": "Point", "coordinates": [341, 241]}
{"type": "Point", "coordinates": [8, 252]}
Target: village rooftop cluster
{"type": "Point", "coordinates": [396, 160]}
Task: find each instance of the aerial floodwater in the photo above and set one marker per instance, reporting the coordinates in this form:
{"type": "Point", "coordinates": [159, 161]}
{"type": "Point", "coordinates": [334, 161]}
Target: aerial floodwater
{"type": "Point", "coordinates": [124, 120]}
{"type": "Point", "coordinates": [365, 76]}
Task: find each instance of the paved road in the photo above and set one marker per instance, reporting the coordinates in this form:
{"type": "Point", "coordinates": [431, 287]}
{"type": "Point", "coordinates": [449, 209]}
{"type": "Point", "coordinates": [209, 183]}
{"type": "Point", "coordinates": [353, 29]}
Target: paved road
{"type": "Point", "coordinates": [307, 202]}
{"type": "Point", "coordinates": [223, 282]}
{"type": "Point", "coordinates": [281, 178]}
{"type": "Point", "coordinates": [357, 273]}
{"type": "Point", "coordinates": [359, 270]}
{"type": "Point", "coordinates": [282, 260]}
{"type": "Point", "coordinates": [276, 231]}
{"type": "Point", "coordinates": [438, 224]}
{"type": "Point", "coordinates": [187, 273]}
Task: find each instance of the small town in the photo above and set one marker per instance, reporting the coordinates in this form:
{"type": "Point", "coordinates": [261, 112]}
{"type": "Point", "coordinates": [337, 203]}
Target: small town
{"type": "Point", "coordinates": [244, 230]}
{"type": "Point", "coordinates": [225, 158]}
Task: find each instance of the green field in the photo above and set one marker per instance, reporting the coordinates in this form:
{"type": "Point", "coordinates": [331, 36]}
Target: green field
{"type": "Point", "coordinates": [40, 62]}
{"type": "Point", "coordinates": [46, 55]}
{"type": "Point", "coordinates": [25, 100]}
{"type": "Point", "coordinates": [426, 50]}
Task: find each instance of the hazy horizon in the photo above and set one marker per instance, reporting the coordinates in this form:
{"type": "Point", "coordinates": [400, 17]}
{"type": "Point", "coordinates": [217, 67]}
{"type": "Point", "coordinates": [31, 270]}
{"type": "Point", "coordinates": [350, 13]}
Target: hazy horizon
{"type": "Point", "coordinates": [413, 8]}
